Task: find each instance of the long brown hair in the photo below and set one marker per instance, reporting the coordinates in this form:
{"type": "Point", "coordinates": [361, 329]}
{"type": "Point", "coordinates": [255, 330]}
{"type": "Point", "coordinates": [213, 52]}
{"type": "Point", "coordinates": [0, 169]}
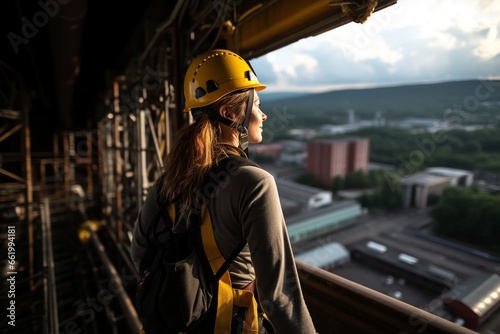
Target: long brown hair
{"type": "Point", "coordinates": [197, 147]}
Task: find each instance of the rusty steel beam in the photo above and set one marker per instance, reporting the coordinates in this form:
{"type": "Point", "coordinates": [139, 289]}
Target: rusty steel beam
{"type": "Point", "coordinates": [274, 24]}
{"type": "Point", "coordinates": [126, 303]}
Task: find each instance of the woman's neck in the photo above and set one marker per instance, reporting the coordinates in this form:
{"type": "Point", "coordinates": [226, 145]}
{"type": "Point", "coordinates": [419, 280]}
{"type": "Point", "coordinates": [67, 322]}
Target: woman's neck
{"type": "Point", "coordinates": [234, 149]}
{"type": "Point", "coordinates": [229, 136]}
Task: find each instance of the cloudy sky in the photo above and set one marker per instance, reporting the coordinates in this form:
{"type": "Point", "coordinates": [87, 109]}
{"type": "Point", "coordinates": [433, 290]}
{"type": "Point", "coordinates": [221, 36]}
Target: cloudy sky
{"type": "Point", "coordinates": [411, 42]}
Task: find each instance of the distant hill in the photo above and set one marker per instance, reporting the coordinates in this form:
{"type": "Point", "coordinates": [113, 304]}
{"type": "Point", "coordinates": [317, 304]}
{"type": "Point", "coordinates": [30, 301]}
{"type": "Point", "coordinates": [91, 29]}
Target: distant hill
{"type": "Point", "coordinates": [421, 100]}
{"type": "Point", "coordinates": [280, 95]}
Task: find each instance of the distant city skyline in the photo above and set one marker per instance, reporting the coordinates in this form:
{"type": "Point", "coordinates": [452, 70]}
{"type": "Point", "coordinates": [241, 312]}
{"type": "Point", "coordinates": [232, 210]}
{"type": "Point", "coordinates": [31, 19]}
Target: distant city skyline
{"type": "Point", "coordinates": [410, 42]}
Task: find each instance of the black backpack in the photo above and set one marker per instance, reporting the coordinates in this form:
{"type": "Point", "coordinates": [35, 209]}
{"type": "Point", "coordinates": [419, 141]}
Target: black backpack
{"type": "Point", "coordinates": [180, 289]}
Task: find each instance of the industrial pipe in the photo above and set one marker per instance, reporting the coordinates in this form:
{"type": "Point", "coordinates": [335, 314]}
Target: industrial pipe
{"type": "Point", "coordinates": [126, 304]}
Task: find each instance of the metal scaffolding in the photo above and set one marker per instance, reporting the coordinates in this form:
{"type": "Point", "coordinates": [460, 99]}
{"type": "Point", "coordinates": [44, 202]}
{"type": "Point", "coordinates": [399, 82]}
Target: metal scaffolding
{"type": "Point", "coordinates": [132, 146]}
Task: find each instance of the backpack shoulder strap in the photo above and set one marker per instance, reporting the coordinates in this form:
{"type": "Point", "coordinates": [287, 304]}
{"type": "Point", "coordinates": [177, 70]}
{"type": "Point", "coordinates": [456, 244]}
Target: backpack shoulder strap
{"type": "Point", "coordinates": [226, 294]}
{"type": "Point", "coordinates": [217, 174]}
{"type": "Point", "coordinates": [217, 262]}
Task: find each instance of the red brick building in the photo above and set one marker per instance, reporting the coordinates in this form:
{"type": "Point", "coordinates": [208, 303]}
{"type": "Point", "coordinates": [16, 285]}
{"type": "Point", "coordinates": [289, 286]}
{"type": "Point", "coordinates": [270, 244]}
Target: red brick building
{"type": "Point", "coordinates": [327, 158]}
{"type": "Point", "coordinates": [358, 153]}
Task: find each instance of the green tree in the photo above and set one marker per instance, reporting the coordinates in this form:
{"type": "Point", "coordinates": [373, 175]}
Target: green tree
{"type": "Point", "coordinates": [472, 147]}
{"type": "Point", "coordinates": [388, 196]}
{"type": "Point", "coordinates": [310, 180]}
{"type": "Point", "coordinates": [356, 180]}
{"type": "Point", "coordinates": [337, 183]}
{"type": "Point", "coordinates": [392, 195]}
{"type": "Point", "coordinates": [375, 177]}
{"type": "Point", "coordinates": [469, 216]}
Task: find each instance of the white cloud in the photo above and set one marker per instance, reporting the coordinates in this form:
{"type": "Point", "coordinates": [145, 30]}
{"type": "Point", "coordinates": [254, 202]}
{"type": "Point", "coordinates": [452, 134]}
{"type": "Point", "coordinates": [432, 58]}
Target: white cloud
{"type": "Point", "coordinates": [412, 41]}
{"type": "Point", "coordinates": [301, 61]}
{"type": "Point", "coordinates": [381, 51]}
{"type": "Point", "coordinates": [489, 46]}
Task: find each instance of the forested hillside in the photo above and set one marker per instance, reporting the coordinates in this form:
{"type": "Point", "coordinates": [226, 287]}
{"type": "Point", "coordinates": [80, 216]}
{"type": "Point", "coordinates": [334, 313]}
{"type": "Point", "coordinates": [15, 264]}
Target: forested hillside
{"type": "Point", "coordinates": [470, 150]}
{"type": "Point", "coordinates": [481, 99]}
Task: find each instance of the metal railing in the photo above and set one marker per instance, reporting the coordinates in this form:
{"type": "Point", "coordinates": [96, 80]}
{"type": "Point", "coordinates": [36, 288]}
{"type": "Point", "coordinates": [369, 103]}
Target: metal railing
{"type": "Point", "coordinates": [338, 305]}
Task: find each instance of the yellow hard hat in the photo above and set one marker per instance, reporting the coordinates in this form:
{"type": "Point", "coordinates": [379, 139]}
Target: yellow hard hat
{"type": "Point", "coordinates": [215, 74]}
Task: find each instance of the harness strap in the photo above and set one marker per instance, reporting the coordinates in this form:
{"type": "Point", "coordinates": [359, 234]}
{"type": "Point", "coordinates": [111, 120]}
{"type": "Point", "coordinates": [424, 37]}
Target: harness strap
{"type": "Point", "coordinates": [226, 294]}
{"type": "Point", "coordinates": [225, 301]}
{"type": "Point", "coordinates": [245, 298]}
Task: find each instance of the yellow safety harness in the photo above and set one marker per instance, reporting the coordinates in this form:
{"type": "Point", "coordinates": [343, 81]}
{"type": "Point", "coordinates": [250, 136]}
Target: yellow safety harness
{"type": "Point", "coordinates": [227, 295]}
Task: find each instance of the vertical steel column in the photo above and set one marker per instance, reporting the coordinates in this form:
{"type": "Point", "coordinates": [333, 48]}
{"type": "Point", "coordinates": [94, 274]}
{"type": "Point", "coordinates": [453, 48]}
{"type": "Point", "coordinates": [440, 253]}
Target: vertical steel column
{"type": "Point", "coordinates": [128, 186]}
{"type": "Point", "coordinates": [28, 190]}
{"type": "Point", "coordinates": [67, 185]}
{"type": "Point", "coordinates": [118, 171]}
{"type": "Point", "coordinates": [118, 177]}
{"type": "Point", "coordinates": [72, 154]}
{"type": "Point", "coordinates": [108, 166]}
{"type": "Point", "coordinates": [154, 137]}
{"type": "Point", "coordinates": [126, 145]}
{"type": "Point", "coordinates": [104, 162]}
{"type": "Point", "coordinates": [169, 91]}
{"type": "Point", "coordinates": [101, 137]}
{"type": "Point", "coordinates": [166, 106]}
{"type": "Point", "coordinates": [50, 289]}
{"type": "Point", "coordinates": [90, 176]}
{"type": "Point", "coordinates": [55, 149]}
{"type": "Point", "coordinates": [142, 170]}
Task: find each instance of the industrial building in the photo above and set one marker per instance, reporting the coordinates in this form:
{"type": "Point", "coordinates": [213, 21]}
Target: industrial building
{"type": "Point", "coordinates": [311, 223]}
{"type": "Point", "coordinates": [294, 152]}
{"type": "Point", "coordinates": [474, 299]}
{"type": "Point", "coordinates": [458, 177]}
{"type": "Point", "coordinates": [488, 181]}
{"type": "Point", "coordinates": [326, 256]}
{"type": "Point", "coordinates": [307, 197]}
{"type": "Point", "coordinates": [327, 159]}
{"type": "Point", "coordinates": [422, 189]}
{"type": "Point", "coordinates": [395, 262]}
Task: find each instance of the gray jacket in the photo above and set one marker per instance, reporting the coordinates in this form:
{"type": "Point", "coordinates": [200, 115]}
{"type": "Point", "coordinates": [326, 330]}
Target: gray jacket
{"type": "Point", "coordinates": [246, 206]}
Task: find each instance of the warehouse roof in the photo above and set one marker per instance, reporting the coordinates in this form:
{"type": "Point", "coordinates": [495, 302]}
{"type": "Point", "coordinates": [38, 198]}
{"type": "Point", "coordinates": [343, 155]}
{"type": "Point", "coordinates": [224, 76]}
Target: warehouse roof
{"type": "Point", "coordinates": [325, 255]}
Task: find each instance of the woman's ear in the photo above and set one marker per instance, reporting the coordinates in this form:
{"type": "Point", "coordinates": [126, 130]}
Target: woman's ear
{"type": "Point", "coordinates": [225, 112]}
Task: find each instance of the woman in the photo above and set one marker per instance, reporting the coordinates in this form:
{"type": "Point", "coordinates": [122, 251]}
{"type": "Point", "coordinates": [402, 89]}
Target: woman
{"type": "Point", "coordinates": [221, 93]}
